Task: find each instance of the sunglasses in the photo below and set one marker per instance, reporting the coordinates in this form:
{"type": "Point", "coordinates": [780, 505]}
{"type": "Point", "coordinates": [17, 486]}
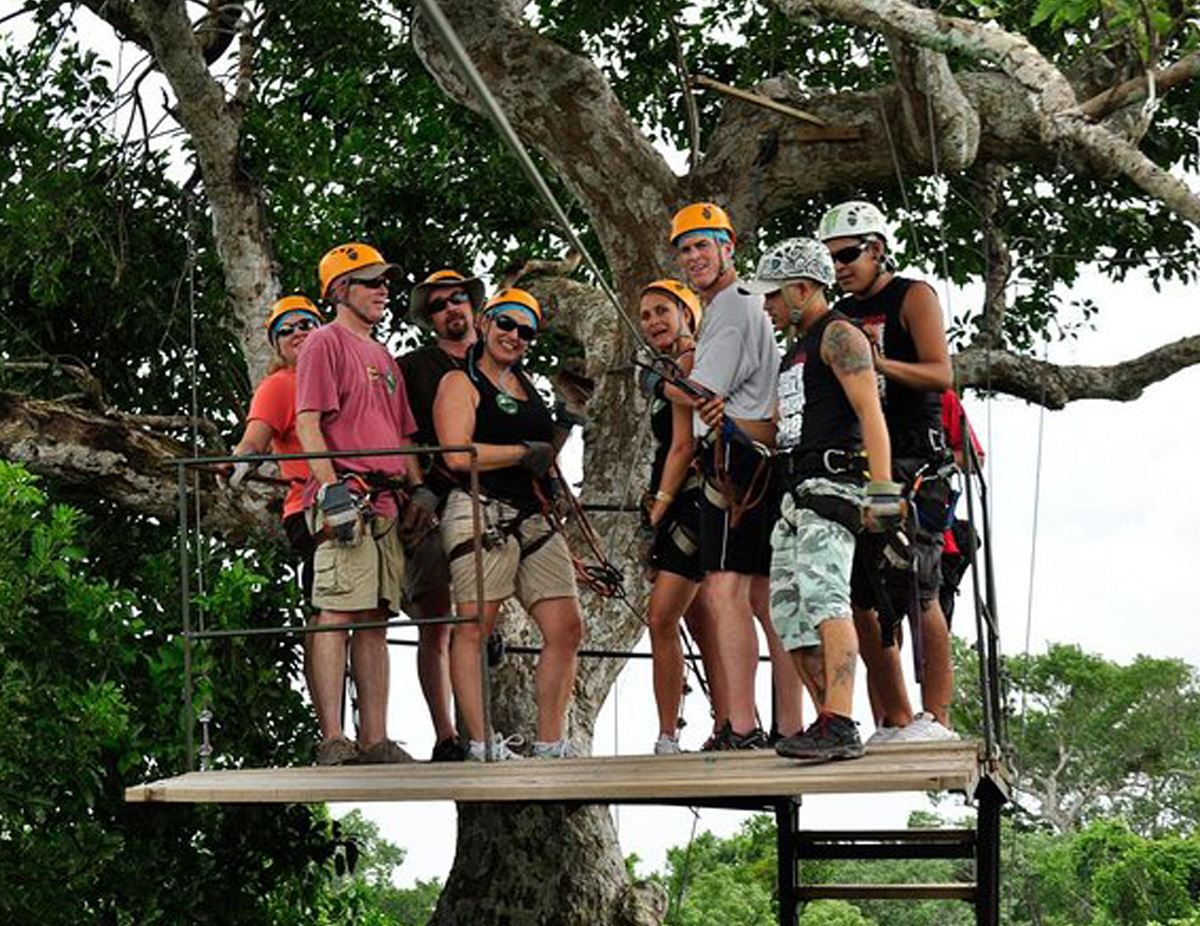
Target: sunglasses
{"type": "Point", "coordinates": [373, 284]}
{"type": "Point", "coordinates": [433, 306]}
{"type": "Point", "coordinates": [525, 332]}
{"type": "Point", "coordinates": [850, 254]}
{"type": "Point", "coordinates": [304, 324]}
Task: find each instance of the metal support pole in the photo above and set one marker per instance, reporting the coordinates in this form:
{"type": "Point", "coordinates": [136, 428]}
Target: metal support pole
{"type": "Point", "coordinates": [987, 854]}
{"type": "Point", "coordinates": [189, 721]}
{"type": "Point", "coordinates": [480, 605]}
{"type": "Point", "coordinates": [787, 824]}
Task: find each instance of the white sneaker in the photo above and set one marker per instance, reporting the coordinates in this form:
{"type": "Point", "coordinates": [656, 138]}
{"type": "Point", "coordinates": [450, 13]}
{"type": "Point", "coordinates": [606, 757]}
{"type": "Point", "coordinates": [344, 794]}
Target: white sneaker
{"type": "Point", "coordinates": [882, 735]}
{"type": "Point", "coordinates": [667, 745]}
{"type": "Point", "coordinates": [924, 728]}
{"type": "Point", "coordinates": [555, 749]}
{"type": "Point", "coordinates": [501, 749]}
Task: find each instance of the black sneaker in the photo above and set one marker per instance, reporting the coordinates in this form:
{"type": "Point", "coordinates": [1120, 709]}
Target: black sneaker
{"type": "Point", "coordinates": [831, 736]}
{"type": "Point", "coordinates": [718, 740]}
{"type": "Point", "coordinates": [754, 739]}
{"type": "Point", "coordinates": [451, 749]}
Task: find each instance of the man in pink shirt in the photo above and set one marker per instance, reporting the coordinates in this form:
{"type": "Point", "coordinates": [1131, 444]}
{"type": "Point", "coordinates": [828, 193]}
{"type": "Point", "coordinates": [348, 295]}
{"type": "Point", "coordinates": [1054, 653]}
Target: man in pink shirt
{"type": "Point", "coordinates": [350, 396]}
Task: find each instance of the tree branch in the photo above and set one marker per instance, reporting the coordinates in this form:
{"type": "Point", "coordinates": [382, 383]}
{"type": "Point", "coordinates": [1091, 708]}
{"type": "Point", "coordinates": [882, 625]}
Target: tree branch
{"type": "Point", "coordinates": [999, 259]}
{"type": "Point", "coordinates": [1060, 118]}
{"type": "Point", "coordinates": [1027, 378]}
{"type": "Point", "coordinates": [1104, 104]}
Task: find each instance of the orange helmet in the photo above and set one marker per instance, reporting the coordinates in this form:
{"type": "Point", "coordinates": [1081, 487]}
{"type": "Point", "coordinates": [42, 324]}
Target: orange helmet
{"type": "Point", "coordinates": [515, 297]}
{"type": "Point", "coordinates": [683, 293]}
{"type": "Point", "coordinates": [419, 297]}
{"type": "Point", "coordinates": [289, 304]}
{"type": "Point", "coordinates": [347, 257]}
{"type": "Point", "coordinates": [701, 217]}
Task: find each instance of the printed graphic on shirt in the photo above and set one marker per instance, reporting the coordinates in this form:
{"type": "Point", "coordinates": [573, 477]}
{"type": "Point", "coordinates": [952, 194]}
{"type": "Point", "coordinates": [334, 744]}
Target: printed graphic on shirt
{"type": "Point", "coordinates": [873, 327]}
{"type": "Point", "coordinates": [791, 404]}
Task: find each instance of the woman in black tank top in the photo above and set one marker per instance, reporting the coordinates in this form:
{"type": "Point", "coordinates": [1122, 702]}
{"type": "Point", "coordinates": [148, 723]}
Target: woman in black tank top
{"type": "Point", "coordinates": [494, 406]}
{"type": "Point", "coordinates": [670, 316]}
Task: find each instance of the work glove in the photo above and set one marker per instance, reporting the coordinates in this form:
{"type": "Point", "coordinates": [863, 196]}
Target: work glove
{"type": "Point", "coordinates": [419, 517]}
{"type": "Point", "coordinates": [650, 381]}
{"type": "Point", "coordinates": [646, 535]}
{"type": "Point", "coordinates": [343, 523]}
{"type": "Point", "coordinates": [885, 507]}
{"type": "Point", "coordinates": [239, 471]}
{"type": "Point", "coordinates": [537, 457]}
{"type": "Point", "coordinates": [565, 419]}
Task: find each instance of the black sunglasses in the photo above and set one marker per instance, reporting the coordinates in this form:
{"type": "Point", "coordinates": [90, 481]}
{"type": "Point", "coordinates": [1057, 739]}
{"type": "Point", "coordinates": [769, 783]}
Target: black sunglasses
{"type": "Point", "coordinates": [525, 332]}
{"type": "Point", "coordinates": [849, 254]}
{"type": "Point", "coordinates": [373, 284]}
{"type": "Point", "coordinates": [433, 306]}
{"type": "Point", "coordinates": [303, 324]}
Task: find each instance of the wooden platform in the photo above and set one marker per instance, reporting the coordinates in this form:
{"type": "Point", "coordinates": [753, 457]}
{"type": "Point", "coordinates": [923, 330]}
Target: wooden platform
{"type": "Point", "coordinates": [701, 778]}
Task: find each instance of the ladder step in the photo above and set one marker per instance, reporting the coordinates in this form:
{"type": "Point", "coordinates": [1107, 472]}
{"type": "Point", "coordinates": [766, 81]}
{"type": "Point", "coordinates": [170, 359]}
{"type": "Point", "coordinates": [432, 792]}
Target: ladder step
{"type": "Point", "coordinates": [883, 850]}
{"type": "Point", "coordinates": [959, 891]}
{"type": "Point", "coordinates": [916, 834]}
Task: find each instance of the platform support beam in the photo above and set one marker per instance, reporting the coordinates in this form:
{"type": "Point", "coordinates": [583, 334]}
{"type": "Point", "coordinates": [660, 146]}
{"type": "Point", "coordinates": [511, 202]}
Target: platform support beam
{"type": "Point", "coordinates": [987, 854]}
{"type": "Point", "coordinates": [787, 826]}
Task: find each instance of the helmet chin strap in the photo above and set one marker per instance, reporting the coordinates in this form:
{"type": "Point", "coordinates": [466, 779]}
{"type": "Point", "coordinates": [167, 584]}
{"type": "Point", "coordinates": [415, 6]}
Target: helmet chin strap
{"type": "Point", "coordinates": [796, 312]}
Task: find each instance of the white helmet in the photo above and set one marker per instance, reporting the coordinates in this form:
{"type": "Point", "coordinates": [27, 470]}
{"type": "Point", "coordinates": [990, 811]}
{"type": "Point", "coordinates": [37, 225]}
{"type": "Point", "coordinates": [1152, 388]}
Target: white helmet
{"type": "Point", "coordinates": [855, 219]}
{"type": "Point", "coordinates": [791, 260]}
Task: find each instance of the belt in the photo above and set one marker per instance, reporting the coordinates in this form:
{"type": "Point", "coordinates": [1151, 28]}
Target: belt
{"type": "Point", "coordinates": [834, 463]}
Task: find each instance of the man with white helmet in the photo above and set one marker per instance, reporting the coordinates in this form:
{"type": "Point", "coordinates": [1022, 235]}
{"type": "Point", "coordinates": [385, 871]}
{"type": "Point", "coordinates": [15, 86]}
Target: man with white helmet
{"type": "Point", "coordinates": [736, 360]}
{"type": "Point", "coordinates": [903, 318]}
{"type": "Point", "coordinates": [832, 466]}
{"type": "Point", "coordinates": [350, 396]}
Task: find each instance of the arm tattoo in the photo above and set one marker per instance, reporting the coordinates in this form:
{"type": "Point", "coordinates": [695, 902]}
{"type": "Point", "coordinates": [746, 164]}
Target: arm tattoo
{"type": "Point", "coordinates": [848, 349]}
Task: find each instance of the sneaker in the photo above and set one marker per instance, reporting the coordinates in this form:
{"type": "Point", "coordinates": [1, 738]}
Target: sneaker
{"type": "Point", "coordinates": [883, 735]}
{"type": "Point", "coordinates": [830, 736]}
{"type": "Point", "coordinates": [501, 749]}
{"type": "Point", "coordinates": [383, 752]}
{"type": "Point", "coordinates": [718, 740]}
{"type": "Point", "coordinates": [754, 739]}
{"type": "Point", "coordinates": [337, 751]}
{"type": "Point", "coordinates": [451, 749]}
{"type": "Point", "coordinates": [667, 745]}
{"type": "Point", "coordinates": [924, 728]}
{"type": "Point", "coordinates": [555, 749]}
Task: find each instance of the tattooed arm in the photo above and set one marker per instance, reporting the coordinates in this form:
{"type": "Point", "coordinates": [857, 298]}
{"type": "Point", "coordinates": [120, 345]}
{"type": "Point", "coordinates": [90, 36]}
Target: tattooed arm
{"type": "Point", "coordinates": [848, 354]}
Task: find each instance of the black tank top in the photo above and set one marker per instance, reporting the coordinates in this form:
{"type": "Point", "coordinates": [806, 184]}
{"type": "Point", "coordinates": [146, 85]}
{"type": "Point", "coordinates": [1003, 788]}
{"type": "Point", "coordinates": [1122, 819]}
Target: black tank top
{"type": "Point", "coordinates": [503, 419]}
{"type": "Point", "coordinates": [914, 416]}
{"type": "Point", "coordinates": [814, 413]}
{"type": "Point", "coordinates": [662, 426]}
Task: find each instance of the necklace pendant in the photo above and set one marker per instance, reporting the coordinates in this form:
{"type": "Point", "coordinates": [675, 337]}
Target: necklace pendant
{"type": "Point", "coordinates": [506, 403]}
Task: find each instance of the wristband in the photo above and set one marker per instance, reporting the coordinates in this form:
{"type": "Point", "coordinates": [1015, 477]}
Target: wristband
{"type": "Point", "coordinates": [661, 496]}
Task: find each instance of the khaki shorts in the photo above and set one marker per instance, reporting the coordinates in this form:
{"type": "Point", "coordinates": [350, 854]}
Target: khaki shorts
{"type": "Point", "coordinates": [366, 576]}
{"type": "Point", "coordinates": [811, 558]}
{"type": "Point", "coordinates": [545, 573]}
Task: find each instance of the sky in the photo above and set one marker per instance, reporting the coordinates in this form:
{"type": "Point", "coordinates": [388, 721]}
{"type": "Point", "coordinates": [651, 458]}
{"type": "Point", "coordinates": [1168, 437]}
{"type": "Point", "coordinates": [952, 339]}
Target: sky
{"type": "Point", "coordinates": [1115, 544]}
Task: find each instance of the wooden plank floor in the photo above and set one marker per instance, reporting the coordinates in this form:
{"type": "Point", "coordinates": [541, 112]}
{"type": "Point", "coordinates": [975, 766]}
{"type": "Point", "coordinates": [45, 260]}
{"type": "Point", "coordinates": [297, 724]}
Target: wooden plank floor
{"type": "Point", "coordinates": [948, 766]}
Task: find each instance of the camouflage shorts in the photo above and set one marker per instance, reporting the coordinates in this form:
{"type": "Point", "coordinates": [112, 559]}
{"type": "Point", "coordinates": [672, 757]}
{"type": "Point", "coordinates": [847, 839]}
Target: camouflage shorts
{"type": "Point", "coordinates": [810, 565]}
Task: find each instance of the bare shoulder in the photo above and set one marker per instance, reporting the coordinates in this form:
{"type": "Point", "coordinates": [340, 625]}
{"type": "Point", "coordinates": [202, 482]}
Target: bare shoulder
{"type": "Point", "coordinates": [845, 348]}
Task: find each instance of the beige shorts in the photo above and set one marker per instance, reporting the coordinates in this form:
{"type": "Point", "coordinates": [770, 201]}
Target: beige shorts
{"type": "Point", "coordinates": [366, 576]}
{"type": "Point", "coordinates": [545, 573]}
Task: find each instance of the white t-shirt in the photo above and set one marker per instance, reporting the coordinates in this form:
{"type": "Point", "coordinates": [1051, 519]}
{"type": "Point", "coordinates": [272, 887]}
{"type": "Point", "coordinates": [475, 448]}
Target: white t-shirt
{"type": "Point", "coordinates": [736, 356]}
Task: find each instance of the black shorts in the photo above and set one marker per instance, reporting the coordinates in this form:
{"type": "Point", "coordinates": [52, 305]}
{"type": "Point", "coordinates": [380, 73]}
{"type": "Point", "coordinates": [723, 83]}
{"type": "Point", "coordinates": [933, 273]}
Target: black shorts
{"type": "Point", "coordinates": [746, 547]}
{"type": "Point", "coordinates": [927, 534]}
{"type": "Point", "coordinates": [305, 545]}
{"type": "Point", "coordinates": [677, 540]}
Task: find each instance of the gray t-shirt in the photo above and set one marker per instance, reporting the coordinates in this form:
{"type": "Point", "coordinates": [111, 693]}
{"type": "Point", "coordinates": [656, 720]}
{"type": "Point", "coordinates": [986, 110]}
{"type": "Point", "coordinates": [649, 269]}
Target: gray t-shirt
{"type": "Point", "coordinates": [736, 356]}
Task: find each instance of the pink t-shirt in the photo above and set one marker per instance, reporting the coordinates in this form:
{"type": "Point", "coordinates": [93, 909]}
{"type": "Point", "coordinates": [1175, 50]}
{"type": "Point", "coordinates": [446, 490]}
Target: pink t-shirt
{"type": "Point", "coordinates": [274, 404]}
{"type": "Point", "coordinates": [356, 386]}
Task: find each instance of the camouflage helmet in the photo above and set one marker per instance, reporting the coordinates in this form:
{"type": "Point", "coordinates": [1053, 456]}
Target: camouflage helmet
{"type": "Point", "coordinates": [789, 261]}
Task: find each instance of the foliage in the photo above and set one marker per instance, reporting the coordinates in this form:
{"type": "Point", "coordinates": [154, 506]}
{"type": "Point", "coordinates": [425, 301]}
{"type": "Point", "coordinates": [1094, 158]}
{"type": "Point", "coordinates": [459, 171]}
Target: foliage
{"type": "Point", "coordinates": [91, 688]}
{"type": "Point", "coordinates": [1092, 738]}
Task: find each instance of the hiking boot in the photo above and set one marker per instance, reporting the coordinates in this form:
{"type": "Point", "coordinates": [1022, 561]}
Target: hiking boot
{"type": "Point", "coordinates": [383, 752]}
{"type": "Point", "coordinates": [924, 728]}
{"type": "Point", "coordinates": [718, 740]}
{"type": "Point", "coordinates": [555, 749]}
{"type": "Point", "coordinates": [667, 745]}
{"type": "Point", "coordinates": [451, 749]}
{"type": "Point", "coordinates": [882, 735]}
{"type": "Point", "coordinates": [501, 749]}
{"type": "Point", "coordinates": [831, 736]}
{"type": "Point", "coordinates": [337, 751]}
{"type": "Point", "coordinates": [754, 739]}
